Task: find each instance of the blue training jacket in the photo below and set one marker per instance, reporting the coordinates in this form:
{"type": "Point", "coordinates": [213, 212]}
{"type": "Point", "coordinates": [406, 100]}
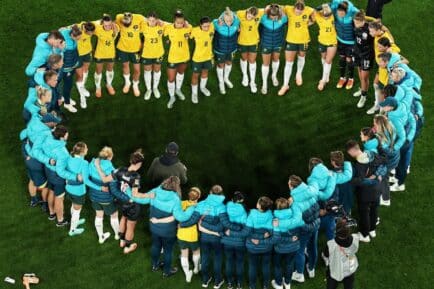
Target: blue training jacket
{"type": "Point", "coordinates": [410, 73]}
{"type": "Point", "coordinates": [40, 54]}
{"type": "Point", "coordinates": [371, 145]}
{"type": "Point", "coordinates": [98, 196]}
{"type": "Point", "coordinates": [272, 31]}
{"type": "Point", "coordinates": [325, 180]}
{"type": "Point", "coordinates": [234, 219]}
{"type": "Point", "coordinates": [344, 25]}
{"type": "Point", "coordinates": [35, 132]}
{"type": "Point", "coordinates": [77, 165]}
{"type": "Point", "coordinates": [398, 119]}
{"type": "Point", "coordinates": [304, 196]}
{"type": "Point", "coordinates": [70, 55]}
{"type": "Point", "coordinates": [226, 37]}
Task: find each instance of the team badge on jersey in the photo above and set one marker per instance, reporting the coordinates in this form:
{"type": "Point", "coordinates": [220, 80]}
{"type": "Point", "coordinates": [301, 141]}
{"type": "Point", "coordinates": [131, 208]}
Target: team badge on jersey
{"type": "Point", "coordinates": [136, 27]}
{"type": "Point", "coordinates": [160, 32]}
{"type": "Point", "coordinates": [365, 35]}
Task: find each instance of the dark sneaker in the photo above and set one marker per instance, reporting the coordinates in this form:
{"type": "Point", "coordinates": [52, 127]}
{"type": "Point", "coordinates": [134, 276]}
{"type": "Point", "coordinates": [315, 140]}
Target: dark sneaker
{"type": "Point", "coordinates": [62, 223]}
{"type": "Point", "coordinates": [158, 267]}
{"type": "Point", "coordinates": [34, 202]}
{"type": "Point", "coordinates": [172, 272]}
{"type": "Point", "coordinates": [52, 217]}
{"type": "Point", "coordinates": [205, 284]}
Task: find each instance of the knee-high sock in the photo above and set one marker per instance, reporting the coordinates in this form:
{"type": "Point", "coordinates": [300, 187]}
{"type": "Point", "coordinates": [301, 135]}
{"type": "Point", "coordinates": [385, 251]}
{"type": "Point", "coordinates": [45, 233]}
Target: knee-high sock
{"type": "Point", "coordinates": [220, 74]}
{"type": "Point", "coordinates": [185, 265]}
{"type": "Point", "coordinates": [194, 89]}
{"type": "Point", "coordinates": [75, 217]}
{"type": "Point", "coordinates": [342, 66]}
{"type": "Point", "coordinates": [127, 79]}
{"type": "Point", "coordinates": [287, 73]}
{"type": "Point", "coordinates": [228, 68]}
{"type": "Point", "coordinates": [196, 260]}
{"type": "Point", "coordinates": [85, 75]}
{"type": "Point", "coordinates": [327, 67]}
{"type": "Point", "coordinates": [114, 222]}
{"type": "Point", "coordinates": [97, 78]}
{"type": "Point", "coordinates": [350, 65]}
{"type": "Point", "coordinates": [147, 76]}
{"type": "Point", "coordinates": [157, 76]}
{"type": "Point", "coordinates": [109, 75]}
{"type": "Point", "coordinates": [275, 68]}
{"type": "Point", "coordinates": [99, 227]}
{"type": "Point", "coordinates": [179, 80]}
{"type": "Point", "coordinates": [171, 88]}
{"type": "Point", "coordinates": [265, 70]}
{"type": "Point", "coordinates": [243, 64]}
{"type": "Point", "coordinates": [252, 70]}
{"type": "Point", "coordinates": [300, 64]}
{"type": "Point", "coordinates": [203, 82]}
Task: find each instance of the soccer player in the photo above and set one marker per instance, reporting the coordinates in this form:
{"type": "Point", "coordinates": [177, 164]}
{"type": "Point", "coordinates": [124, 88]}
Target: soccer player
{"type": "Point", "coordinates": [152, 53]}
{"type": "Point", "coordinates": [179, 55]}
{"type": "Point", "coordinates": [344, 12]}
{"type": "Point", "coordinates": [300, 17]}
{"type": "Point", "coordinates": [272, 28]}
{"type": "Point", "coordinates": [128, 48]}
{"type": "Point", "coordinates": [224, 46]}
{"type": "Point", "coordinates": [46, 44]}
{"type": "Point", "coordinates": [248, 40]}
{"type": "Point", "coordinates": [327, 42]}
{"type": "Point", "coordinates": [106, 32]}
{"type": "Point", "coordinates": [202, 57]}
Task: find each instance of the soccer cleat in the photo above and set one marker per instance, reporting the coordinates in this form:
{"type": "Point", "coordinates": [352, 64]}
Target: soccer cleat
{"type": "Point", "coordinates": [205, 284]}
{"type": "Point", "coordinates": [222, 88]}
{"type": "Point", "coordinates": [83, 103]}
{"type": "Point", "coordinates": [264, 90]}
{"type": "Point", "coordinates": [194, 98]}
{"type": "Point", "coordinates": [245, 81]}
{"type": "Point", "coordinates": [298, 277]}
{"type": "Point", "coordinates": [350, 83]}
{"type": "Point", "coordinates": [358, 93]}
{"type": "Point", "coordinates": [81, 221]}
{"type": "Point", "coordinates": [275, 285]}
{"type": "Point", "coordinates": [361, 102]}
{"type": "Point", "coordinates": [385, 203]}
{"type": "Point", "coordinates": [205, 91]}
{"type": "Point", "coordinates": [52, 217]}
{"type": "Point", "coordinates": [397, 188]}
{"type": "Point", "coordinates": [364, 239]}
{"type": "Point", "coordinates": [70, 108]}
{"type": "Point", "coordinates": [72, 102]}
{"type": "Point", "coordinates": [373, 234]}
{"type": "Point", "coordinates": [110, 89]}
{"type": "Point", "coordinates": [341, 82]}
{"type": "Point", "coordinates": [179, 94]}
{"type": "Point", "coordinates": [321, 85]}
{"type": "Point", "coordinates": [188, 276]}
{"type": "Point", "coordinates": [157, 93]}
{"type": "Point", "coordinates": [85, 91]}
{"type": "Point", "coordinates": [34, 202]}
{"type": "Point", "coordinates": [311, 273]}
{"type": "Point", "coordinates": [131, 248]}
{"type": "Point", "coordinates": [147, 95]}
{"type": "Point", "coordinates": [126, 88]}
{"type": "Point", "coordinates": [229, 83]}
{"type": "Point", "coordinates": [393, 180]}
{"type": "Point", "coordinates": [196, 269]}
{"type": "Point", "coordinates": [171, 102]}
{"type": "Point", "coordinates": [117, 237]}
{"type": "Point", "coordinates": [136, 91]}
{"type": "Point", "coordinates": [76, 232]}
{"type": "Point", "coordinates": [253, 87]}
{"type": "Point", "coordinates": [219, 285]}
{"type": "Point", "coordinates": [104, 237]}
{"type": "Point", "coordinates": [171, 273]}
{"type": "Point", "coordinates": [283, 90]}
{"type": "Point", "coordinates": [373, 109]}
{"type": "Point", "coordinates": [275, 81]}
{"type": "Point", "coordinates": [98, 93]}
{"type": "Point", "coordinates": [298, 79]}
{"type": "Point", "coordinates": [62, 223]}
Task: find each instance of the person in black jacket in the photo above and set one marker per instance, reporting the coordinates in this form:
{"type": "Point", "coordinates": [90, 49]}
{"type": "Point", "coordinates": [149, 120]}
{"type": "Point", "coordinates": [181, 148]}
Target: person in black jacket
{"type": "Point", "coordinates": [368, 171]}
{"type": "Point", "coordinates": [375, 8]}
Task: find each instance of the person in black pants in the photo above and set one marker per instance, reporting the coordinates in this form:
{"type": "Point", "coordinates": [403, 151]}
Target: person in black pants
{"type": "Point", "coordinates": [375, 8]}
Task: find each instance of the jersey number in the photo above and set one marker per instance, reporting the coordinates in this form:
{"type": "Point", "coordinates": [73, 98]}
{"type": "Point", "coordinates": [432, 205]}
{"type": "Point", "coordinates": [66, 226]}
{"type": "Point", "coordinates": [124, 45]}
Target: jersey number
{"type": "Point", "coordinates": [205, 44]}
{"type": "Point", "coordinates": [328, 29]}
{"type": "Point", "coordinates": [108, 43]}
{"type": "Point", "coordinates": [297, 24]}
{"type": "Point", "coordinates": [250, 28]}
{"type": "Point", "coordinates": [179, 43]}
{"type": "Point", "coordinates": [154, 40]}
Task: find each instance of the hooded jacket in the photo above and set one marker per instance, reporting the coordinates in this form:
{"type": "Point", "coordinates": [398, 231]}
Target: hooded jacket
{"type": "Point", "coordinates": [234, 219]}
{"type": "Point", "coordinates": [226, 37]}
{"type": "Point", "coordinates": [272, 31]}
{"type": "Point", "coordinates": [344, 25]}
{"type": "Point", "coordinates": [40, 54]}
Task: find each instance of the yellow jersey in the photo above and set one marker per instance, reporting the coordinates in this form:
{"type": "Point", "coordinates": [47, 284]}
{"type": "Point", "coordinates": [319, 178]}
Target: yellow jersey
{"type": "Point", "coordinates": [203, 43]}
{"type": "Point", "coordinates": [84, 44]}
{"type": "Point", "coordinates": [383, 75]}
{"type": "Point", "coordinates": [249, 29]}
{"type": "Point", "coordinates": [327, 32]}
{"type": "Point", "coordinates": [153, 41]}
{"type": "Point", "coordinates": [129, 38]}
{"type": "Point", "coordinates": [179, 50]}
{"type": "Point", "coordinates": [105, 46]}
{"type": "Point", "coordinates": [298, 25]}
{"type": "Point", "coordinates": [188, 234]}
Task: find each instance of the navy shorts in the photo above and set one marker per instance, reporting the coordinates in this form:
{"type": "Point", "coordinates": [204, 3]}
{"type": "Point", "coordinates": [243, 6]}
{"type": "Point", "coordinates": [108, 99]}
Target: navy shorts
{"type": "Point", "coordinates": [36, 172]}
{"type": "Point", "coordinates": [55, 183]}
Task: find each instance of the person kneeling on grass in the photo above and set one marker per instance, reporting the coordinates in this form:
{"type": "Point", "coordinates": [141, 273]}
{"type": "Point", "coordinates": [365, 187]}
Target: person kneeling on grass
{"type": "Point", "coordinates": [341, 257]}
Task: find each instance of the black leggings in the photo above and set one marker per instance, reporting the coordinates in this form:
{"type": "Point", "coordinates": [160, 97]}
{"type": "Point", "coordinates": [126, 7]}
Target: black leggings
{"type": "Point", "coordinates": [347, 281]}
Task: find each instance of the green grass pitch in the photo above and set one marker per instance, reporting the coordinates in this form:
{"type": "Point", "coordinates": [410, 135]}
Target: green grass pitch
{"type": "Point", "coordinates": [242, 141]}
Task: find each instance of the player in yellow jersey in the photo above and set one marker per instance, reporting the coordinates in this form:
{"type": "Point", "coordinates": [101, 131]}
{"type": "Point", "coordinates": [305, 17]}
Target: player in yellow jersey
{"type": "Point", "coordinates": [327, 42]}
{"type": "Point", "coordinates": [179, 55]}
{"type": "Point", "coordinates": [202, 57]}
{"type": "Point", "coordinates": [152, 53]}
{"type": "Point", "coordinates": [297, 41]}
{"type": "Point", "coordinates": [248, 40]}
{"type": "Point", "coordinates": [106, 32]}
{"type": "Point", "coordinates": [84, 47]}
{"type": "Point", "coordinates": [128, 48]}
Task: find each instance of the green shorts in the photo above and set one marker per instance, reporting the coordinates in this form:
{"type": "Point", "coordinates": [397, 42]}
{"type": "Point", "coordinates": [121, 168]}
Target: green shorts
{"type": "Point", "coordinates": [78, 200]}
{"type": "Point", "coordinates": [222, 58]}
{"type": "Point", "coordinates": [380, 85]}
{"type": "Point", "coordinates": [175, 65]}
{"type": "Point", "coordinates": [84, 58]}
{"type": "Point", "coordinates": [193, 246]}
{"type": "Point", "coordinates": [323, 48]}
{"type": "Point", "coordinates": [296, 47]}
{"type": "Point", "coordinates": [269, 50]}
{"type": "Point", "coordinates": [248, 48]}
{"type": "Point", "coordinates": [151, 61]}
{"type": "Point", "coordinates": [104, 60]}
{"type": "Point", "coordinates": [199, 66]}
{"type": "Point", "coordinates": [108, 208]}
{"type": "Point", "coordinates": [123, 56]}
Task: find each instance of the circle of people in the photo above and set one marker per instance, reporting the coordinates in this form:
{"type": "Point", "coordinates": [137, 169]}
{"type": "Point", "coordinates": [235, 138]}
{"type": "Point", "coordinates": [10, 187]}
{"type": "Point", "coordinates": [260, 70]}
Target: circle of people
{"type": "Point", "coordinates": [287, 236]}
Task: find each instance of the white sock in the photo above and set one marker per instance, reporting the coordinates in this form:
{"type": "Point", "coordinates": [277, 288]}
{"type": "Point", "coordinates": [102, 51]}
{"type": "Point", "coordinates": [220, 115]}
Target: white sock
{"type": "Point", "coordinates": [287, 73]}
{"type": "Point", "coordinates": [265, 70]}
{"type": "Point", "coordinates": [114, 222]}
{"type": "Point", "coordinates": [194, 89]}
{"type": "Point", "coordinates": [184, 264]}
{"type": "Point", "coordinates": [171, 88]}
{"type": "Point", "coordinates": [220, 76]}
{"type": "Point", "coordinates": [127, 79]}
{"type": "Point", "coordinates": [377, 94]}
{"type": "Point", "coordinates": [157, 76]}
{"type": "Point", "coordinates": [135, 83]}
{"type": "Point", "coordinates": [300, 64]}
{"type": "Point", "coordinates": [243, 64]}
{"type": "Point", "coordinates": [203, 82]}
{"type": "Point", "coordinates": [79, 85]}
{"type": "Point", "coordinates": [179, 80]}
{"type": "Point", "coordinates": [228, 69]}
{"type": "Point", "coordinates": [99, 227]}
{"type": "Point", "coordinates": [252, 70]}
{"type": "Point", "coordinates": [323, 61]}
{"type": "Point", "coordinates": [85, 75]}
{"type": "Point", "coordinates": [275, 68]}
{"type": "Point", "coordinates": [327, 67]}
{"type": "Point", "coordinates": [196, 259]}
{"type": "Point", "coordinates": [75, 216]}
{"type": "Point", "coordinates": [109, 75]}
{"type": "Point", "coordinates": [147, 76]}
{"type": "Point", "coordinates": [97, 78]}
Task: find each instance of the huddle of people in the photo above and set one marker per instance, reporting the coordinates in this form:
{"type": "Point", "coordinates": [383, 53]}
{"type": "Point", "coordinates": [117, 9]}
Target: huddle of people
{"type": "Point", "coordinates": [130, 38]}
{"type": "Point", "coordinates": [282, 235]}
